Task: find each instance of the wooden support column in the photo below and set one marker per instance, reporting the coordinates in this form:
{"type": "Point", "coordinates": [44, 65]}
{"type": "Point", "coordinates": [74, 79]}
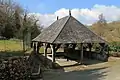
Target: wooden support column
{"type": "Point", "coordinates": [108, 50]}
{"type": "Point", "coordinates": [90, 48]}
{"type": "Point", "coordinates": [45, 50]}
{"type": "Point", "coordinates": [53, 52]}
{"type": "Point", "coordinates": [45, 53]}
{"type": "Point", "coordinates": [34, 49]}
{"type": "Point", "coordinates": [103, 46]}
{"type": "Point", "coordinates": [107, 53]}
{"type": "Point", "coordinates": [38, 47]}
{"type": "Point", "coordinates": [74, 46]}
{"type": "Point", "coordinates": [81, 59]}
{"type": "Point", "coordinates": [66, 51]}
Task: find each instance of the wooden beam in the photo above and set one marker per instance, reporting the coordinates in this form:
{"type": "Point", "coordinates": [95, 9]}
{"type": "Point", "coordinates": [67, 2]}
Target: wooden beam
{"type": "Point", "coordinates": [90, 49]}
{"type": "Point", "coordinates": [81, 53]}
{"type": "Point", "coordinates": [45, 50]}
{"type": "Point", "coordinates": [34, 49]}
{"type": "Point", "coordinates": [90, 46]}
{"type": "Point", "coordinates": [53, 52]}
{"type": "Point", "coordinates": [74, 46]}
{"type": "Point", "coordinates": [108, 50]}
{"type": "Point", "coordinates": [38, 47]}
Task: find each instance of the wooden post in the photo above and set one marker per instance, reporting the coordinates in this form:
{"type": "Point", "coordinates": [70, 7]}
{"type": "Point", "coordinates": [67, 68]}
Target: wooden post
{"type": "Point", "coordinates": [53, 52]}
{"type": "Point", "coordinates": [90, 48]}
{"type": "Point", "coordinates": [34, 49]}
{"type": "Point", "coordinates": [38, 47]}
{"type": "Point", "coordinates": [45, 53]}
{"type": "Point", "coordinates": [103, 46]}
{"type": "Point", "coordinates": [108, 50]}
{"type": "Point", "coordinates": [45, 50]}
{"type": "Point", "coordinates": [81, 53]}
{"type": "Point", "coordinates": [107, 53]}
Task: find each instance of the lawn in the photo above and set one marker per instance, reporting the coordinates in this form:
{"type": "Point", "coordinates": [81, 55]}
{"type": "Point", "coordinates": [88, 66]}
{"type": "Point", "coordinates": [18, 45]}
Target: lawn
{"type": "Point", "coordinates": [13, 48]}
{"type": "Point", "coordinates": [10, 45]}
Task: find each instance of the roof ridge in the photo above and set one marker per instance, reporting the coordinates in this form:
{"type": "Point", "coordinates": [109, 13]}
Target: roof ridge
{"type": "Point", "coordinates": [62, 28]}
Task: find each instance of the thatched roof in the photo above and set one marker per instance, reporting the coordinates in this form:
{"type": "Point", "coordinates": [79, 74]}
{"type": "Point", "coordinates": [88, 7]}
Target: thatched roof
{"type": "Point", "coordinates": [68, 30]}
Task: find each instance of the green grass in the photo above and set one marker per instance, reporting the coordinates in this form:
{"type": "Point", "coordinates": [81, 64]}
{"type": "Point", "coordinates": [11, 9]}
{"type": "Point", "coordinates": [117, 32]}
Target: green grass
{"type": "Point", "coordinates": [10, 45]}
{"type": "Point", "coordinates": [11, 48]}
{"type": "Point", "coordinates": [41, 50]}
{"type": "Point", "coordinates": [14, 48]}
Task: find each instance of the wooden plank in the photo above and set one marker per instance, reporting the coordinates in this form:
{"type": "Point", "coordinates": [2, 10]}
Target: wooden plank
{"type": "Point", "coordinates": [53, 52]}
{"type": "Point", "coordinates": [45, 50]}
{"type": "Point", "coordinates": [90, 48]}
{"type": "Point", "coordinates": [34, 49]}
{"type": "Point", "coordinates": [38, 47]}
{"type": "Point", "coordinates": [81, 53]}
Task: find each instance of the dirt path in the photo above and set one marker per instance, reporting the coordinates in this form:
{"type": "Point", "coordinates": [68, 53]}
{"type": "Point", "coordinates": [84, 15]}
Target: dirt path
{"type": "Point", "coordinates": [101, 71]}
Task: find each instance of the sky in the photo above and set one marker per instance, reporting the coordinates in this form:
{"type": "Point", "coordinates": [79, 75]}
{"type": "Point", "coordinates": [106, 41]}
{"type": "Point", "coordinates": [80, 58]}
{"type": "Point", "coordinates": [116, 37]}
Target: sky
{"type": "Point", "coordinates": [86, 11]}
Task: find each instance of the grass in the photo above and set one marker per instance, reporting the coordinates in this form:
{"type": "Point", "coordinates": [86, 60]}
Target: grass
{"type": "Point", "coordinates": [41, 50]}
{"type": "Point", "coordinates": [11, 48]}
{"type": "Point", "coordinates": [10, 45]}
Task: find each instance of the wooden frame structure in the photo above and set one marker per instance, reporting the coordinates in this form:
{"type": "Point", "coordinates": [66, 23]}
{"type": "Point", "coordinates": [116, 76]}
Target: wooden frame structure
{"type": "Point", "coordinates": [66, 31]}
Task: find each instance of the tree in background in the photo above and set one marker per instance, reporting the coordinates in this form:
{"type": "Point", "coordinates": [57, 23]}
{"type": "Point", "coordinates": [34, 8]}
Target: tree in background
{"type": "Point", "coordinates": [102, 20]}
{"type": "Point", "coordinates": [100, 26]}
{"type": "Point", "coordinates": [14, 21]}
{"type": "Point", "coordinates": [5, 16]}
{"type": "Point", "coordinates": [31, 26]}
{"type": "Point", "coordinates": [7, 22]}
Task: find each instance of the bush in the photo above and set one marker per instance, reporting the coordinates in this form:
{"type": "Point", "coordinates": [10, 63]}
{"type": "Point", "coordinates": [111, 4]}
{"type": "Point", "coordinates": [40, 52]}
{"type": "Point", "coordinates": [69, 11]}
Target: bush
{"type": "Point", "coordinates": [15, 69]}
{"type": "Point", "coordinates": [114, 46]}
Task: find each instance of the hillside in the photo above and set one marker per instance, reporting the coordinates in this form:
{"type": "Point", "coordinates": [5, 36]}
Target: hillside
{"type": "Point", "coordinates": [110, 32]}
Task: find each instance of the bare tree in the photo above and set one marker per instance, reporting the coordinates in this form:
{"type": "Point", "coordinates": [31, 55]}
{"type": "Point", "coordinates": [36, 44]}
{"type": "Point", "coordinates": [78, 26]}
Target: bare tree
{"type": "Point", "coordinates": [100, 26]}
{"type": "Point", "coordinates": [102, 20]}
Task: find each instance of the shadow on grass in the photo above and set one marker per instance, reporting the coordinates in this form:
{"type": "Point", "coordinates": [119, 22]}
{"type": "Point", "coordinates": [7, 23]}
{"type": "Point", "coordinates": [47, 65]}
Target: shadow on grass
{"type": "Point", "coordinates": [91, 74]}
{"type": "Point", "coordinates": [11, 53]}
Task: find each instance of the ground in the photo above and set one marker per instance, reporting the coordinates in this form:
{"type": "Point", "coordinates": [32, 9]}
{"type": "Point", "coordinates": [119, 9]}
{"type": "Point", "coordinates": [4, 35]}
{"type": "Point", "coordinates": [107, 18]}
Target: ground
{"type": "Point", "coordinates": [97, 71]}
{"type": "Point", "coordinates": [90, 71]}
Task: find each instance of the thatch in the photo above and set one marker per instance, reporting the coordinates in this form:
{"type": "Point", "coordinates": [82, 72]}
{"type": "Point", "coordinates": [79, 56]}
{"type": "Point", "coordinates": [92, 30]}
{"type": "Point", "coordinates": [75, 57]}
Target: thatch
{"type": "Point", "coordinates": [68, 30]}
